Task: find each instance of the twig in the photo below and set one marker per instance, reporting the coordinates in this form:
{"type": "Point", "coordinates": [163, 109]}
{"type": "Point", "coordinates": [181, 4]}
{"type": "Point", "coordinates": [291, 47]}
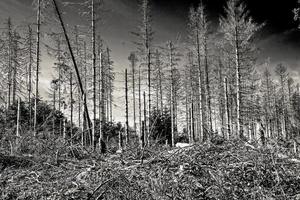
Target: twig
{"type": "Point", "coordinates": [102, 184]}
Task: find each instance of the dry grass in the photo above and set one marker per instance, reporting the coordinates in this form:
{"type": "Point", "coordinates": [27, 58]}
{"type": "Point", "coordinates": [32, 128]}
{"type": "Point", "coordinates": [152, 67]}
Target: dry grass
{"type": "Point", "coordinates": [233, 170]}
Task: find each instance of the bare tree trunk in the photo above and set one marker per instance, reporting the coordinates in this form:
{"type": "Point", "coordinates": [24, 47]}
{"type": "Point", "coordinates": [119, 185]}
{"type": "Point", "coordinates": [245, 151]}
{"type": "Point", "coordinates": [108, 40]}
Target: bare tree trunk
{"type": "Point", "coordinates": [94, 73]}
{"type": "Point", "coordinates": [53, 112]}
{"type": "Point", "coordinates": [103, 107]}
{"type": "Point", "coordinates": [222, 107]}
{"type": "Point", "coordinates": [71, 93]}
{"type": "Point", "coordinates": [110, 100]}
{"type": "Point", "coordinates": [100, 101]}
{"type": "Point", "coordinates": [172, 95]}
{"type": "Point", "coordinates": [37, 67]}
{"type": "Point", "coordinates": [29, 86]}
{"type": "Point", "coordinates": [141, 139]}
{"type": "Point", "coordinates": [208, 95]}
{"type": "Point", "coordinates": [145, 117]}
{"type": "Point", "coordinates": [201, 136]}
{"type": "Point", "coordinates": [126, 105]}
{"type": "Point", "coordinates": [80, 70]}
{"type": "Point", "coordinates": [268, 106]}
{"type": "Point", "coordinates": [15, 68]}
{"type": "Point", "coordinates": [192, 123]}
{"type": "Point", "coordinates": [238, 79]}
{"type": "Point", "coordinates": [18, 122]}
{"type": "Point", "coordinates": [87, 117]}
{"type": "Point", "coordinates": [132, 59]}
{"type": "Point", "coordinates": [120, 140]}
{"type": "Point", "coordinates": [143, 135]}
{"type": "Point", "coordinates": [84, 122]}
{"type": "Point", "coordinates": [149, 91]}
{"type": "Point", "coordinates": [59, 84]}
{"type": "Point", "coordinates": [227, 108]}
{"type": "Point", "coordinates": [9, 62]}
{"type": "Point", "coordinates": [172, 115]}
{"type": "Point", "coordinates": [161, 90]}
{"type": "Point", "coordinates": [64, 130]}
{"type": "Point", "coordinates": [159, 83]}
{"type": "Point", "coordinates": [187, 104]}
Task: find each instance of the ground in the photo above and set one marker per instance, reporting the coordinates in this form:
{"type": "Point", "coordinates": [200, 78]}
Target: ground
{"type": "Point", "coordinates": [231, 170]}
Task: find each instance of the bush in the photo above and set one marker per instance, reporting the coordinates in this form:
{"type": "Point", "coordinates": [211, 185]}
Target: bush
{"type": "Point", "coordinates": [161, 126]}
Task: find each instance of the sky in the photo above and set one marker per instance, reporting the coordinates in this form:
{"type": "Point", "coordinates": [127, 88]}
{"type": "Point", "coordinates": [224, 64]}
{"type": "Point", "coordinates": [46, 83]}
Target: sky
{"type": "Point", "coordinates": [279, 39]}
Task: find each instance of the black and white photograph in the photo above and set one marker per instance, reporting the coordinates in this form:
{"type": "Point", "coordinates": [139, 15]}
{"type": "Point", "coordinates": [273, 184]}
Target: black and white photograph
{"type": "Point", "coordinates": [149, 100]}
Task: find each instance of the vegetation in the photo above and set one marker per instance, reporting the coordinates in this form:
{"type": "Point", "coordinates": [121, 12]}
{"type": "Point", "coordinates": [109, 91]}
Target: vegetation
{"type": "Point", "coordinates": [239, 119]}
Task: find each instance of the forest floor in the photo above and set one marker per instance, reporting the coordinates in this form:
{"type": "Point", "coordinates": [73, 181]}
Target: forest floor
{"type": "Point", "coordinates": [231, 170]}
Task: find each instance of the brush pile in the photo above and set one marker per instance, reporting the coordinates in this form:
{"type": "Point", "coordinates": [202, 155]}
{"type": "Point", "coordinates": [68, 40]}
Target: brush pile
{"type": "Point", "coordinates": [233, 170]}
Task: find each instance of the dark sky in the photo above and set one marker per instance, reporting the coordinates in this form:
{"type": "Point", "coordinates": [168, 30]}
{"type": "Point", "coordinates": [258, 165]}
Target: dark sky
{"type": "Point", "coordinates": [277, 14]}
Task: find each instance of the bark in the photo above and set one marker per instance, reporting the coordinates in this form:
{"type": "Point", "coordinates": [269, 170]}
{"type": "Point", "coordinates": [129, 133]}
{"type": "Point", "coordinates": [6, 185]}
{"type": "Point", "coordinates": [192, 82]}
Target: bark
{"type": "Point", "coordinates": [94, 73]}
{"type": "Point", "coordinates": [238, 79]}
{"type": "Point", "coordinates": [141, 141]}
{"type": "Point", "coordinates": [18, 122]}
{"type": "Point", "coordinates": [126, 107]}
{"type": "Point", "coordinates": [172, 95]}
{"type": "Point", "coordinates": [29, 86]}
{"type": "Point", "coordinates": [71, 96]}
{"type": "Point", "coordinates": [10, 50]}
{"type": "Point", "coordinates": [208, 94]}
{"type": "Point", "coordinates": [80, 70]}
{"type": "Point", "coordinates": [15, 67]}
{"type": "Point", "coordinates": [75, 66]}
{"type": "Point", "coordinates": [145, 117]}
{"type": "Point", "coordinates": [100, 100]}
{"type": "Point", "coordinates": [201, 136]}
{"type": "Point", "coordinates": [37, 67]}
{"type": "Point", "coordinates": [133, 59]}
{"type": "Point", "coordinates": [227, 109]}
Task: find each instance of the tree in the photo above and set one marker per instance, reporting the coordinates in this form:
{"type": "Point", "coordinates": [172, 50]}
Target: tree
{"type": "Point", "coordinates": [132, 58]}
{"type": "Point", "coordinates": [161, 121]}
{"type": "Point", "coordinates": [126, 108]}
{"type": "Point", "coordinates": [173, 59]}
{"type": "Point", "coordinates": [238, 29]}
{"type": "Point", "coordinates": [37, 65]}
{"type": "Point", "coordinates": [195, 27]}
{"type": "Point", "coordinates": [80, 85]}
{"type": "Point", "coordinates": [30, 62]}
{"type": "Point", "coordinates": [159, 74]}
{"type": "Point", "coordinates": [144, 45]}
{"type": "Point", "coordinates": [281, 71]}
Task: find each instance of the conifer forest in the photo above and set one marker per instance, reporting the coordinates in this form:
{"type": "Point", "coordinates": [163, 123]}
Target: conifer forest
{"type": "Point", "coordinates": [149, 99]}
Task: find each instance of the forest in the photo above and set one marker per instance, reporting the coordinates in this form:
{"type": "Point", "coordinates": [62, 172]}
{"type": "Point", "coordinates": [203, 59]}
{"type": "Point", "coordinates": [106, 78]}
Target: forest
{"type": "Point", "coordinates": [203, 116]}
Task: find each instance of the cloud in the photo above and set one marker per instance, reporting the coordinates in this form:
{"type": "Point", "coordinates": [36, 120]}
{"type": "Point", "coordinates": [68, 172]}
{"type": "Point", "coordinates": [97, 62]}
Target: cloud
{"type": "Point", "coordinates": [282, 48]}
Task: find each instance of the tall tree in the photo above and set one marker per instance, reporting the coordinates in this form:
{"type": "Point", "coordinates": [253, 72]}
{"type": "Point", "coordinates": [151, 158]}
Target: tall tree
{"type": "Point", "coordinates": [94, 71]}
{"type": "Point", "coordinates": [195, 39]}
{"type": "Point", "coordinates": [238, 29]}
{"type": "Point", "coordinates": [37, 66]}
{"type": "Point", "coordinates": [145, 35]}
{"type": "Point", "coordinates": [126, 108]}
{"type": "Point", "coordinates": [159, 80]}
{"type": "Point", "coordinates": [30, 53]}
{"type": "Point", "coordinates": [281, 71]}
{"type": "Point", "coordinates": [133, 60]}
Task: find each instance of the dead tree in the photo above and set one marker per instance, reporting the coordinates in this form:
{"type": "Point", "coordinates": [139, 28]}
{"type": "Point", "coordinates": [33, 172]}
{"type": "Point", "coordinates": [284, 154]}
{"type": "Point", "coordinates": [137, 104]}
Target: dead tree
{"type": "Point", "coordinates": [29, 73]}
{"type": "Point", "coordinates": [145, 141]}
{"type": "Point", "coordinates": [37, 67]}
{"type": "Point", "coordinates": [86, 113]}
{"type": "Point", "coordinates": [94, 73]}
{"type": "Point", "coordinates": [132, 58]}
{"type": "Point", "coordinates": [227, 108]}
{"type": "Point", "coordinates": [126, 107]}
{"type": "Point", "coordinates": [100, 100]}
{"type": "Point", "coordinates": [140, 112]}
